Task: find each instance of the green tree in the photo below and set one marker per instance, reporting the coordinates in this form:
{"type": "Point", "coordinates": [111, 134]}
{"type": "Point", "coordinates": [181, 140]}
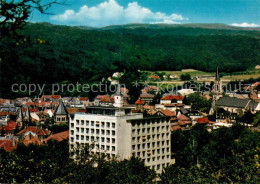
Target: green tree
{"type": "Point", "coordinates": [185, 77]}
{"type": "Point", "coordinates": [198, 102]}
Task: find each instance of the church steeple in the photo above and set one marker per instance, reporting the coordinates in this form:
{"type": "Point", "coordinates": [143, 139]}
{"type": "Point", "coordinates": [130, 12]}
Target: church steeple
{"type": "Point", "coordinates": [217, 84]}
{"type": "Point", "coordinates": [217, 91]}
{"type": "Point", "coordinates": [27, 115]}
{"type": "Point", "coordinates": [217, 74]}
{"type": "Point", "coordinates": [19, 115]}
{"type": "Point", "coordinates": [61, 115]}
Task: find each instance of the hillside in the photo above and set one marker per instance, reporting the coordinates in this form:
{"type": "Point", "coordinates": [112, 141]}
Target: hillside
{"type": "Point", "coordinates": [184, 29]}
{"type": "Point", "coordinates": [63, 53]}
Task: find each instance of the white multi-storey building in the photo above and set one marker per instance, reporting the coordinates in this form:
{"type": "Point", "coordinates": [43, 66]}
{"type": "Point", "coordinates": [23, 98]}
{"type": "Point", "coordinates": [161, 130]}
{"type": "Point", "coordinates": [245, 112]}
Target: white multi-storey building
{"type": "Point", "coordinates": [120, 133]}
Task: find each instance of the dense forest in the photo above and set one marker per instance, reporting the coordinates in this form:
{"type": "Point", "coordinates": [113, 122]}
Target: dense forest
{"type": "Point", "coordinates": [226, 155]}
{"type": "Point", "coordinates": [51, 53]}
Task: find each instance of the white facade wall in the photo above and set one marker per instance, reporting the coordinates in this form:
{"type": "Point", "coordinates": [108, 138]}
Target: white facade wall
{"type": "Point", "coordinates": [121, 136]}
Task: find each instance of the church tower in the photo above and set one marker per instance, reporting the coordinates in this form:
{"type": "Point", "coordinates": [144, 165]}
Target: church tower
{"type": "Point", "coordinates": [61, 115]}
{"type": "Point", "coordinates": [27, 115]}
{"type": "Point", "coordinates": [217, 91]}
{"type": "Point", "coordinates": [118, 97]}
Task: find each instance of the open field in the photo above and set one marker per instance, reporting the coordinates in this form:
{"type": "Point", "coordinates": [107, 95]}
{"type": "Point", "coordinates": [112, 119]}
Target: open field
{"type": "Point", "coordinates": [240, 77]}
{"type": "Point", "coordinates": [196, 73]}
{"type": "Point", "coordinates": [192, 72]}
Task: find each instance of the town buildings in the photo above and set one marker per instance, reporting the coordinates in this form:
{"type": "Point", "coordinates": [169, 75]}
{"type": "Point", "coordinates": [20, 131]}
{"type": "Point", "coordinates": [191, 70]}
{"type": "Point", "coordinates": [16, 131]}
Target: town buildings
{"type": "Point", "coordinates": [118, 132]}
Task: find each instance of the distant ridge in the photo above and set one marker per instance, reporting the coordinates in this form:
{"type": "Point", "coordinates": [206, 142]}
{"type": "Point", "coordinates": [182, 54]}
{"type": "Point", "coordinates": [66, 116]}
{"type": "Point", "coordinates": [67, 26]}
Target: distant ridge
{"type": "Point", "coordinates": [191, 25]}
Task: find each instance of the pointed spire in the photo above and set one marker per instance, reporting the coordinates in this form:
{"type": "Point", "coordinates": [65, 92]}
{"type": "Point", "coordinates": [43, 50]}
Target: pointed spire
{"type": "Point", "coordinates": [20, 114]}
{"type": "Point", "coordinates": [61, 109]}
{"type": "Point", "coordinates": [27, 113]}
{"type": "Point", "coordinates": [217, 74]}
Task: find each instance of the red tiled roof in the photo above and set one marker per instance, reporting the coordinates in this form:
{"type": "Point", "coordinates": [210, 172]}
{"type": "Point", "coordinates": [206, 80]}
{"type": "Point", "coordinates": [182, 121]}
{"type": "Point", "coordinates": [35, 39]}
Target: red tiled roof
{"type": "Point", "coordinates": [183, 120]}
{"type": "Point", "coordinates": [3, 100]}
{"type": "Point", "coordinates": [174, 118]}
{"type": "Point", "coordinates": [202, 120]}
{"type": "Point", "coordinates": [83, 99]}
{"type": "Point", "coordinates": [35, 130]}
{"type": "Point", "coordinates": [29, 103]}
{"type": "Point", "coordinates": [175, 127]}
{"type": "Point", "coordinates": [43, 104]}
{"type": "Point", "coordinates": [154, 77]}
{"type": "Point", "coordinates": [56, 96]}
{"type": "Point", "coordinates": [58, 137]}
{"type": "Point", "coordinates": [4, 113]}
{"type": "Point", "coordinates": [7, 145]}
{"type": "Point", "coordinates": [255, 84]}
{"type": "Point", "coordinates": [183, 117]}
{"type": "Point", "coordinates": [146, 95]}
{"type": "Point", "coordinates": [139, 102]}
{"type": "Point", "coordinates": [172, 97]}
{"type": "Point", "coordinates": [100, 96]}
{"type": "Point", "coordinates": [168, 113]}
{"type": "Point", "coordinates": [7, 128]}
{"type": "Point", "coordinates": [31, 139]}
{"type": "Point", "coordinates": [107, 98]}
{"type": "Point", "coordinates": [46, 96]}
{"type": "Point", "coordinates": [12, 124]}
{"type": "Point", "coordinates": [75, 110]}
{"type": "Point", "coordinates": [31, 110]}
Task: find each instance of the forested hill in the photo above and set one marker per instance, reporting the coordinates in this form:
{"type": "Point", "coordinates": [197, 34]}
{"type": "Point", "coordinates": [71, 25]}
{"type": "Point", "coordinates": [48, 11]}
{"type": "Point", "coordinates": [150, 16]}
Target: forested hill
{"type": "Point", "coordinates": [183, 29]}
{"type": "Point", "coordinates": [63, 53]}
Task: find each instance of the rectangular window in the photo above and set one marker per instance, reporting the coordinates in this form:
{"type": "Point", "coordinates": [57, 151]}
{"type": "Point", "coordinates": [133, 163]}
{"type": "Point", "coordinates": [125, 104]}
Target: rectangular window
{"type": "Point", "coordinates": [108, 140]}
{"type": "Point", "coordinates": [87, 123]}
{"type": "Point", "coordinates": [108, 124]}
{"type": "Point", "coordinates": [72, 132]}
{"type": "Point", "coordinates": [133, 147]}
{"type": "Point", "coordinates": [113, 132]}
{"type": "Point", "coordinates": [108, 132]}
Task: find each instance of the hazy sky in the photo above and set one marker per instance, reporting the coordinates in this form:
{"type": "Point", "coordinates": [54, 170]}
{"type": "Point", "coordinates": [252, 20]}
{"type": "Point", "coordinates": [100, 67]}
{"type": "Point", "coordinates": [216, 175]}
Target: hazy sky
{"type": "Point", "coordinates": [100, 13]}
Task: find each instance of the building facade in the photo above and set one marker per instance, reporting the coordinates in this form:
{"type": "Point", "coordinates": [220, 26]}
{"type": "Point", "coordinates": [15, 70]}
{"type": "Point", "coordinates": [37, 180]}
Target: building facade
{"type": "Point", "coordinates": [120, 133]}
